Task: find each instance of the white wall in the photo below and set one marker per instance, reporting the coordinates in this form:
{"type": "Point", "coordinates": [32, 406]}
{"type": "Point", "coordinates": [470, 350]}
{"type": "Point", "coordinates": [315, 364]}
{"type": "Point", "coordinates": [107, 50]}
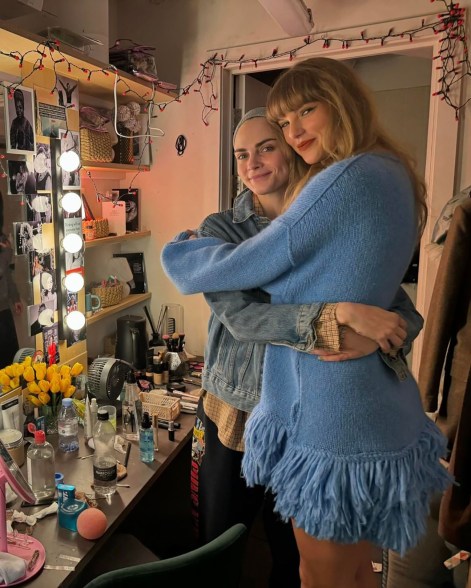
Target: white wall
{"type": "Point", "coordinates": [181, 191]}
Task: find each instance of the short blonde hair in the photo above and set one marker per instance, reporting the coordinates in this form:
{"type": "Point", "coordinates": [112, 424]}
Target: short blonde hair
{"type": "Point", "coordinates": [354, 127]}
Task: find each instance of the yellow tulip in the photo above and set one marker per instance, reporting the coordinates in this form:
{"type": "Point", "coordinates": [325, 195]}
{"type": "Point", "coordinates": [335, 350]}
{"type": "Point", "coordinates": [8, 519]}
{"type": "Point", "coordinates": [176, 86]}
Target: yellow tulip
{"type": "Point", "coordinates": [18, 369]}
{"type": "Point", "coordinates": [34, 400]}
{"type": "Point", "coordinates": [44, 385]}
{"type": "Point", "coordinates": [44, 397]}
{"type": "Point", "coordinates": [10, 371]}
{"type": "Point", "coordinates": [77, 369]}
{"type": "Point", "coordinates": [27, 361]}
{"type": "Point", "coordinates": [65, 371]}
{"type": "Point", "coordinates": [41, 373]}
{"type": "Point", "coordinates": [33, 388]}
{"type": "Point", "coordinates": [6, 389]}
{"type": "Point", "coordinates": [65, 383]}
{"type": "Point", "coordinates": [69, 392]}
{"type": "Point", "coordinates": [55, 384]}
{"type": "Point", "coordinates": [4, 380]}
{"type": "Point", "coordinates": [28, 374]}
{"type": "Point", "coordinates": [39, 365]}
{"type": "Point", "coordinates": [50, 372]}
{"type": "Point", "coordinates": [15, 382]}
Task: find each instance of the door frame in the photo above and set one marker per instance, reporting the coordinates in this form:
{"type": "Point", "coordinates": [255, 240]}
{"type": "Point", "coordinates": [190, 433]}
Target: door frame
{"type": "Point", "coordinates": [442, 141]}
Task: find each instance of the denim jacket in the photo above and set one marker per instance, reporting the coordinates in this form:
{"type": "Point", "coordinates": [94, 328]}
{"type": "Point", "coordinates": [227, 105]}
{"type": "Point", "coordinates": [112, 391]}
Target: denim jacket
{"type": "Point", "coordinates": [242, 323]}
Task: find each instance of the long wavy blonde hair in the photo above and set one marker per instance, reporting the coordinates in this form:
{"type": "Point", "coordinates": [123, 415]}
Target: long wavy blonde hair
{"type": "Point", "coordinates": [354, 127]}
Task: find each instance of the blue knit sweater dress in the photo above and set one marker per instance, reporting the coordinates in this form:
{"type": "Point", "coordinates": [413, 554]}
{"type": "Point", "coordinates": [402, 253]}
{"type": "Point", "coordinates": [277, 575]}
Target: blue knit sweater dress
{"type": "Point", "coordinates": [346, 447]}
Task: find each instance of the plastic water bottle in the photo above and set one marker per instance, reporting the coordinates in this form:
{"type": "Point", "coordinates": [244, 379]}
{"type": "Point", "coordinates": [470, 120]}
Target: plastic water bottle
{"type": "Point", "coordinates": [40, 467]}
{"type": "Point", "coordinates": [146, 440]}
{"type": "Point", "coordinates": [130, 428]}
{"type": "Point", "coordinates": [68, 427]}
{"type": "Point", "coordinates": [105, 471]}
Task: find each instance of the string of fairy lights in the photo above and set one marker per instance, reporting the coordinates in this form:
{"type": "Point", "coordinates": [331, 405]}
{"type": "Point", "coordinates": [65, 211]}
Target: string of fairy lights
{"type": "Point", "coordinates": [453, 60]}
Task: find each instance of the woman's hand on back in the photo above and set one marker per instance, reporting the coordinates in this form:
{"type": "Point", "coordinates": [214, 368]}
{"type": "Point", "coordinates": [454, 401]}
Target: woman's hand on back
{"type": "Point", "coordinates": [353, 346]}
{"type": "Point", "coordinates": [387, 329]}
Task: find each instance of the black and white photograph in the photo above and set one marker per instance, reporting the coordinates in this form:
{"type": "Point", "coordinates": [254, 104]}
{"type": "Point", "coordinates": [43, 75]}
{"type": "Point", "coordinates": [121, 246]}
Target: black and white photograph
{"type": "Point", "coordinates": [21, 178]}
{"type": "Point", "coordinates": [47, 287]}
{"type": "Point", "coordinates": [42, 167]}
{"type": "Point", "coordinates": [41, 261]}
{"type": "Point", "coordinates": [67, 92]}
{"type": "Point", "coordinates": [51, 344]}
{"type": "Point", "coordinates": [131, 199]}
{"type": "Point", "coordinates": [70, 141]}
{"type": "Point", "coordinates": [40, 316]}
{"type": "Point", "coordinates": [39, 208]}
{"type": "Point", "coordinates": [19, 120]}
{"type": "Point", "coordinates": [23, 238]}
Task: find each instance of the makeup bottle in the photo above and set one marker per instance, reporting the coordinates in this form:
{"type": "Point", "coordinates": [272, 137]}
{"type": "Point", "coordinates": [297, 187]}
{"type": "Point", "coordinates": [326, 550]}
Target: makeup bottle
{"type": "Point", "coordinates": [146, 440]}
{"type": "Point", "coordinates": [158, 374]}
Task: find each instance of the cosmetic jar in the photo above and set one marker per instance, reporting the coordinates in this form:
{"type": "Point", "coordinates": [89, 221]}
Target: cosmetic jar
{"type": "Point", "coordinates": [13, 441]}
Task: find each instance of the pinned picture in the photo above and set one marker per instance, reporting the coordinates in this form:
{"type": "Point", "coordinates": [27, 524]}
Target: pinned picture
{"type": "Point", "coordinates": [40, 316]}
{"type": "Point", "coordinates": [67, 92]}
{"type": "Point", "coordinates": [39, 208]}
{"type": "Point", "coordinates": [42, 167]}
{"type": "Point", "coordinates": [70, 141]}
{"type": "Point", "coordinates": [41, 261]}
{"type": "Point", "coordinates": [19, 120]}
{"type": "Point", "coordinates": [21, 179]}
{"type": "Point", "coordinates": [48, 288]}
{"type": "Point", "coordinates": [51, 344]}
{"type": "Point", "coordinates": [74, 336]}
{"type": "Point", "coordinates": [71, 301]}
{"type": "Point", "coordinates": [73, 261]}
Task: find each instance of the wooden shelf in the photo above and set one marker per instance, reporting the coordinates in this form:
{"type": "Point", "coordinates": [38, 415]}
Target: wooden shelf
{"type": "Point", "coordinates": [99, 85]}
{"type": "Point", "coordinates": [127, 302]}
{"type": "Point", "coordinates": [112, 167]}
{"type": "Point", "coordinates": [116, 239]}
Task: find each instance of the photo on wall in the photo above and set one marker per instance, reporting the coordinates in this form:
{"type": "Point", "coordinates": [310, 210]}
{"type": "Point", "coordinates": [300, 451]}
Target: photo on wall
{"type": "Point", "coordinates": [71, 301]}
{"type": "Point", "coordinates": [19, 119]}
{"type": "Point", "coordinates": [28, 237]}
{"type": "Point", "coordinates": [40, 316]}
{"type": "Point", "coordinates": [131, 200]}
{"type": "Point", "coordinates": [21, 178]}
{"type": "Point", "coordinates": [42, 167]}
{"type": "Point", "coordinates": [70, 141]}
{"type": "Point", "coordinates": [39, 208]}
{"type": "Point", "coordinates": [51, 344]}
{"type": "Point", "coordinates": [74, 336]}
{"type": "Point", "coordinates": [41, 261]}
{"type": "Point", "coordinates": [47, 287]}
{"type": "Point", "coordinates": [67, 92]}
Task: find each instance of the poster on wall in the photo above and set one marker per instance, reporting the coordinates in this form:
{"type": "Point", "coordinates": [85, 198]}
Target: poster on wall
{"type": "Point", "coordinates": [19, 120]}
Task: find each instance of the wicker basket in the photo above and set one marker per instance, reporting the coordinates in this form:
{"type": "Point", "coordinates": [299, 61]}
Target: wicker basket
{"type": "Point", "coordinates": [164, 407]}
{"type": "Point", "coordinates": [95, 146]}
{"type": "Point", "coordinates": [95, 228]}
{"type": "Point", "coordinates": [109, 295]}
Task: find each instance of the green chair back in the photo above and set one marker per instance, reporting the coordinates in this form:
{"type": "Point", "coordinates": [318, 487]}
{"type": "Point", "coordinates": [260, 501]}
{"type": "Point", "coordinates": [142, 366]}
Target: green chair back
{"type": "Point", "coordinates": [215, 565]}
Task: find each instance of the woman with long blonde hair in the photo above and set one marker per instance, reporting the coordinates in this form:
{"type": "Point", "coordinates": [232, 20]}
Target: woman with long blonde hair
{"type": "Point", "coordinates": [346, 447]}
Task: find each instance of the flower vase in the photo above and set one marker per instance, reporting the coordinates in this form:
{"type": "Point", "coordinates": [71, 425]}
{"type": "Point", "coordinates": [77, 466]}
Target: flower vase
{"type": "Point", "coordinates": [50, 414]}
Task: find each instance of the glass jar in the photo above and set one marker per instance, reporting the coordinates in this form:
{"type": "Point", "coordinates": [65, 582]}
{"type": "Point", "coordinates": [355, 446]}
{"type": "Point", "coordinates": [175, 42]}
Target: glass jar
{"type": "Point", "coordinates": [13, 441]}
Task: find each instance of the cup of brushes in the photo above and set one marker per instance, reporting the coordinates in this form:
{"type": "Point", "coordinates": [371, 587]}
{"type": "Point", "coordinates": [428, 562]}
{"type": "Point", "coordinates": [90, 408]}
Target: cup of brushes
{"type": "Point", "coordinates": [176, 356]}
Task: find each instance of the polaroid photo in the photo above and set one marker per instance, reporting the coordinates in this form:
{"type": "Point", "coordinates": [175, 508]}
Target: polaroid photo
{"type": "Point", "coordinates": [19, 120]}
{"type": "Point", "coordinates": [21, 178]}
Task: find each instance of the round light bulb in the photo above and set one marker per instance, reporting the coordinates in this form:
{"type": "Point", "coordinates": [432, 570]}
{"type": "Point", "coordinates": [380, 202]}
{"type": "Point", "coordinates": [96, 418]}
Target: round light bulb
{"type": "Point", "coordinates": [69, 161]}
{"type": "Point", "coordinates": [72, 243]}
{"type": "Point", "coordinates": [74, 282]}
{"type": "Point", "coordinates": [71, 202]}
{"type": "Point", "coordinates": [75, 320]}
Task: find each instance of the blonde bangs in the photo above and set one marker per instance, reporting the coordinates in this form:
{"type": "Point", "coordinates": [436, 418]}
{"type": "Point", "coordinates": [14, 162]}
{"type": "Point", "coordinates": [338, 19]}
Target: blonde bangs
{"type": "Point", "coordinates": [288, 94]}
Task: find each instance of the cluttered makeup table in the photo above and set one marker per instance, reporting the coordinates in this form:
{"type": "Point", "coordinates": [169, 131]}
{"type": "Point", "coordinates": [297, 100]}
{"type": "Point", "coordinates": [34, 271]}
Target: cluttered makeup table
{"type": "Point", "coordinates": [66, 549]}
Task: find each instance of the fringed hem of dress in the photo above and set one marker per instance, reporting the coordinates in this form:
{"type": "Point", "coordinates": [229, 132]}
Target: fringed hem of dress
{"type": "Point", "coordinates": [381, 498]}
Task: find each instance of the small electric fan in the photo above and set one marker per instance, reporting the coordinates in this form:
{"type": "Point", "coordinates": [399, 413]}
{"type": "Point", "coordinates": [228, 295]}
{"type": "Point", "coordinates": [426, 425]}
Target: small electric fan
{"type": "Point", "coordinates": [106, 377]}
{"type": "Point", "coordinates": [23, 353]}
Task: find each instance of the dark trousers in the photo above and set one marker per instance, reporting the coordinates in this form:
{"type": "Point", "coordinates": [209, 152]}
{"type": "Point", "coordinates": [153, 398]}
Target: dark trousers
{"type": "Point", "coordinates": [8, 339]}
{"type": "Point", "coordinates": [220, 498]}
